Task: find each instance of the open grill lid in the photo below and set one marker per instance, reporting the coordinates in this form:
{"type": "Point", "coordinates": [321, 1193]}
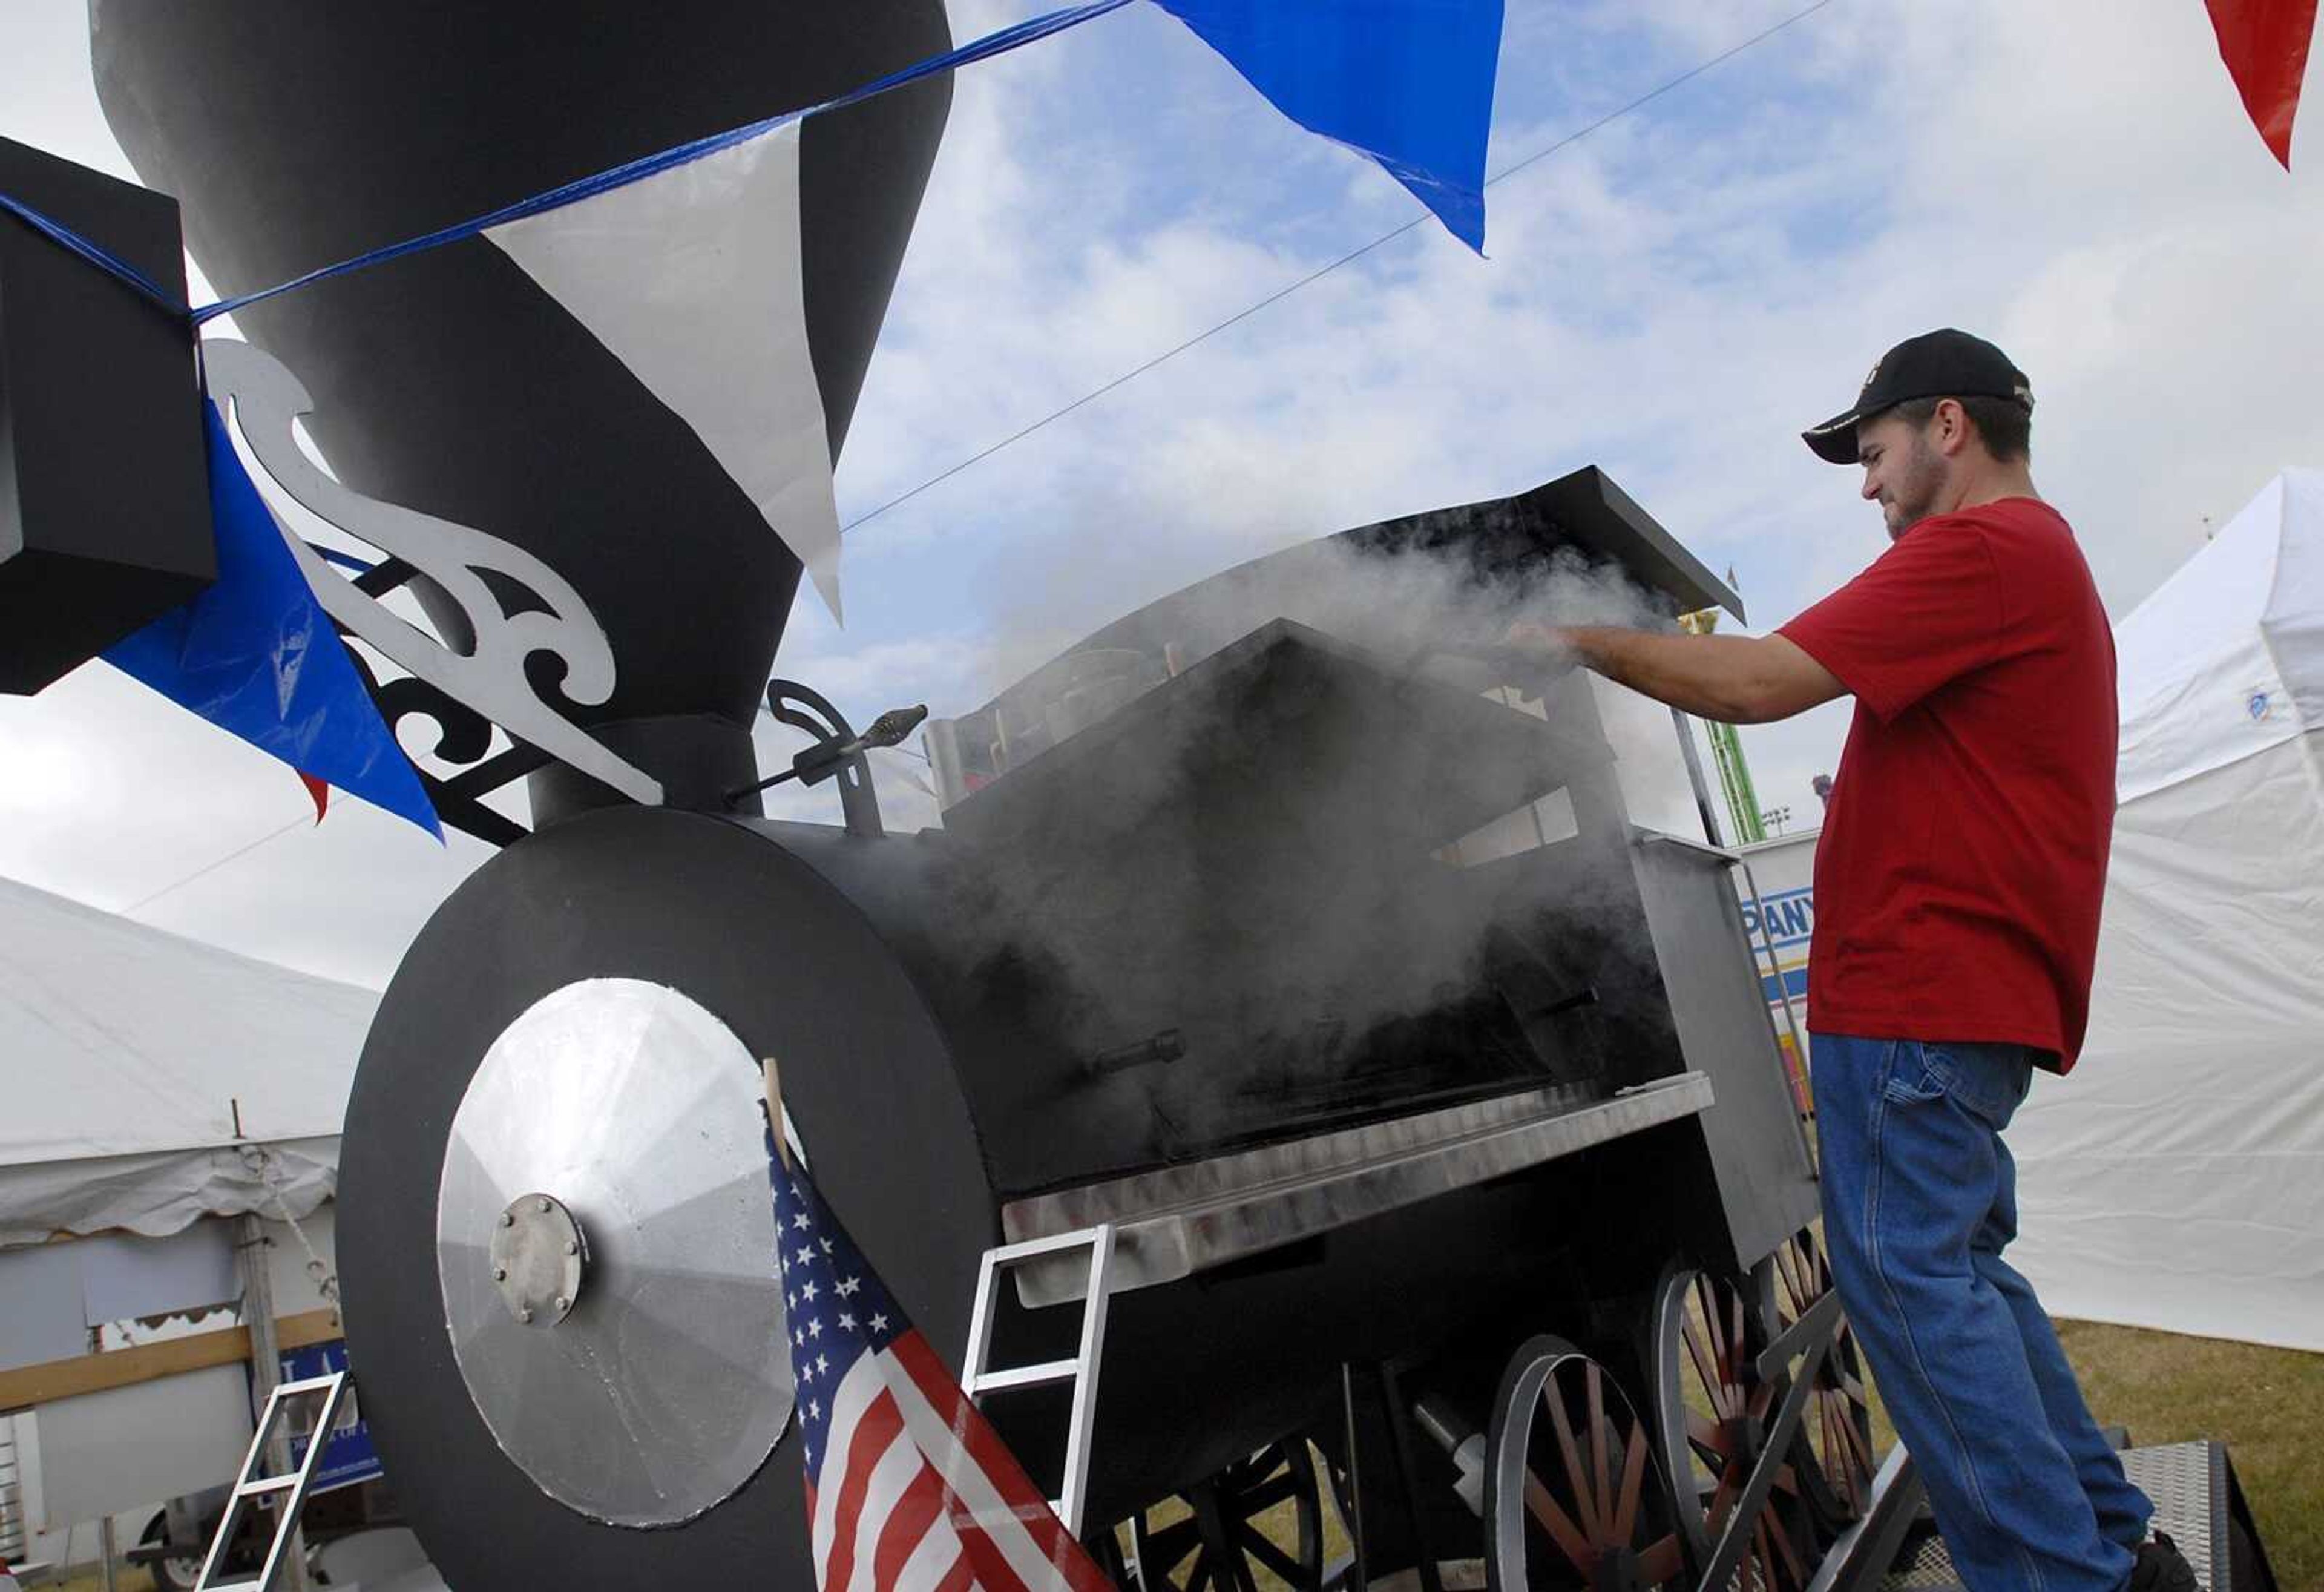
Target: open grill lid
{"type": "Point", "coordinates": [1285, 730]}
{"type": "Point", "coordinates": [1582, 519]}
{"type": "Point", "coordinates": [1580, 524]}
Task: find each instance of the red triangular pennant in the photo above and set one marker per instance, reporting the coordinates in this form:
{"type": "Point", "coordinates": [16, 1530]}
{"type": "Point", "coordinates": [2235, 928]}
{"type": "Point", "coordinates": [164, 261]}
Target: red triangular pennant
{"type": "Point", "coordinates": [2264, 44]}
{"type": "Point", "coordinates": [320, 790]}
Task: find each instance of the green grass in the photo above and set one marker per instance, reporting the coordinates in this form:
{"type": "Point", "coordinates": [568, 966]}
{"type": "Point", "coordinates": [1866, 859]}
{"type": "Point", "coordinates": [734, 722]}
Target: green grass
{"type": "Point", "coordinates": [2267, 1405]}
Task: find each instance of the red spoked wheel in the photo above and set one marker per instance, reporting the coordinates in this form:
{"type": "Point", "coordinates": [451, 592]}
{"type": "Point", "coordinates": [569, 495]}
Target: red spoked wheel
{"type": "Point", "coordinates": [1574, 1496]}
{"type": "Point", "coordinates": [1836, 1461]}
{"type": "Point", "coordinates": [1712, 1413]}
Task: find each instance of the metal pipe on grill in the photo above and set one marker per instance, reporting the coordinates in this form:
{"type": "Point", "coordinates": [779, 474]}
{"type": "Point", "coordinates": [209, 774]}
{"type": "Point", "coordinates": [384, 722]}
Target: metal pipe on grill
{"type": "Point", "coordinates": [1167, 1046]}
{"type": "Point", "coordinates": [1461, 1443]}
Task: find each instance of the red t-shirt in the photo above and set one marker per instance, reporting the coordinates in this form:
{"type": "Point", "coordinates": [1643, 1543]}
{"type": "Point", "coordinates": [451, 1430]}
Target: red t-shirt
{"type": "Point", "coordinates": [1964, 851]}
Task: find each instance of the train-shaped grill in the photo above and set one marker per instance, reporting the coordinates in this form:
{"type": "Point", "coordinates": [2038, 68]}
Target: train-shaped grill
{"type": "Point", "coordinates": [1338, 981]}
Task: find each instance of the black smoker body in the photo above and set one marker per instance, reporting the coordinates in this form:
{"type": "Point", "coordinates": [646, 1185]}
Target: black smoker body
{"type": "Point", "coordinates": [976, 1046]}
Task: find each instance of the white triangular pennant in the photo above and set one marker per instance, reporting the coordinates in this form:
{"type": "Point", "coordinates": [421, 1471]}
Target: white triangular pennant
{"type": "Point", "coordinates": [691, 277]}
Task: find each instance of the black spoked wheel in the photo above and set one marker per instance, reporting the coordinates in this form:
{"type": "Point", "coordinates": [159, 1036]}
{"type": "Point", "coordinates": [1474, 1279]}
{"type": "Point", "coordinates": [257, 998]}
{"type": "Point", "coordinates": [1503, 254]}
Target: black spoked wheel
{"type": "Point", "coordinates": [1835, 1458]}
{"type": "Point", "coordinates": [1574, 1496]}
{"type": "Point", "coordinates": [1106, 1548]}
{"type": "Point", "coordinates": [1712, 1414]}
{"type": "Point", "coordinates": [1256, 1526]}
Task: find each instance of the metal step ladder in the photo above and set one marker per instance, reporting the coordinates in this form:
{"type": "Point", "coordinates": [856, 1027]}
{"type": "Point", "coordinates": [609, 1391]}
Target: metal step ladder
{"type": "Point", "coordinates": [978, 1378]}
{"type": "Point", "coordinates": [289, 1489]}
{"type": "Point", "coordinates": [14, 1539]}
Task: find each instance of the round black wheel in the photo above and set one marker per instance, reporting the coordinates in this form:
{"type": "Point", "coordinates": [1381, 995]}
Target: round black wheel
{"type": "Point", "coordinates": [1574, 1496]}
{"type": "Point", "coordinates": [496, 1428]}
{"type": "Point", "coordinates": [1711, 1414]}
{"type": "Point", "coordinates": [1835, 1459]}
{"type": "Point", "coordinates": [1256, 1526]}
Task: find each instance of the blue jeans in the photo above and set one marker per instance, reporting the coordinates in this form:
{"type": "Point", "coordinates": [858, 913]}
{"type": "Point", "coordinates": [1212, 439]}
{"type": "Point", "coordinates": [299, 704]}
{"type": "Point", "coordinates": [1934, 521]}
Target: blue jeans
{"type": "Point", "coordinates": [1920, 1196]}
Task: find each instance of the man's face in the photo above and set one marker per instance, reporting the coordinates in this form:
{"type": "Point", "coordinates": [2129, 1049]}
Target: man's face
{"type": "Point", "coordinates": [1903, 472]}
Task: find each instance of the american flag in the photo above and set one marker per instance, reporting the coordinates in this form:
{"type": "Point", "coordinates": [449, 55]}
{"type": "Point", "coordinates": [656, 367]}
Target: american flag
{"type": "Point", "coordinates": [908, 1489]}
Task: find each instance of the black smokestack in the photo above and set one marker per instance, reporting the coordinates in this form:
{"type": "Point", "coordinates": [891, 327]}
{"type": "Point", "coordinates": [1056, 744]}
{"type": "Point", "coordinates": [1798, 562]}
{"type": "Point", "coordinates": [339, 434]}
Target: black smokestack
{"type": "Point", "coordinates": [297, 134]}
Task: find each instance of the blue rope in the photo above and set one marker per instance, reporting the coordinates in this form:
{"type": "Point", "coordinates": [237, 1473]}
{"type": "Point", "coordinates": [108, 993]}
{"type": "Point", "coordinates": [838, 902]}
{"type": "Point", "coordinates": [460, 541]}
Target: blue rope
{"type": "Point", "coordinates": [621, 176]}
{"type": "Point", "coordinates": [103, 259]}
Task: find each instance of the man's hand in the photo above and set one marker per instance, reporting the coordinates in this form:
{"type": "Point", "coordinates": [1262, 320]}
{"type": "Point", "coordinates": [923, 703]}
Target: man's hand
{"type": "Point", "coordinates": [1545, 642]}
{"type": "Point", "coordinates": [1735, 678]}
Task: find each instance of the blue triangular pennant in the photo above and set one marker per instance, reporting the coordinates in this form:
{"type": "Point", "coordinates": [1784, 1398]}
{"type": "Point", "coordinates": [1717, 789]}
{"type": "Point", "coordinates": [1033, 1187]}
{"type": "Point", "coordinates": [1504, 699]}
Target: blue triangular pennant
{"type": "Point", "coordinates": [255, 656]}
{"type": "Point", "coordinates": [1407, 82]}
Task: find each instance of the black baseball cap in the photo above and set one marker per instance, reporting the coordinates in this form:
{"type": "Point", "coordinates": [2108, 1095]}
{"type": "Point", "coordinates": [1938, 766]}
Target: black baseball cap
{"type": "Point", "coordinates": [1946, 363]}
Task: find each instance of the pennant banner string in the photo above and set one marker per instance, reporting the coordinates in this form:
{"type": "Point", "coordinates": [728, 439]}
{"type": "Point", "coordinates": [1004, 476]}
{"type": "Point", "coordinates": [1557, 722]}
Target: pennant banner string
{"type": "Point", "coordinates": [992, 44]}
{"type": "Point", "coordinates": [207, 869]}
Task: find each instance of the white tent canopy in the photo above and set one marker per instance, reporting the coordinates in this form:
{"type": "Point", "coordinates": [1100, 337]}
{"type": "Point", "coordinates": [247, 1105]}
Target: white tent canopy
{"type": "Point", "coordinates": [2176, 1180]}
{"type": "Point", "coordinates": [127, 1055]}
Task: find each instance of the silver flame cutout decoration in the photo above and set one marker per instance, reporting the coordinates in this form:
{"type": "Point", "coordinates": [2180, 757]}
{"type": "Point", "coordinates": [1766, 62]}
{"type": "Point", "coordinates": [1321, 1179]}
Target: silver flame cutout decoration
{"type": "Point", "coordinates": [488, 677]}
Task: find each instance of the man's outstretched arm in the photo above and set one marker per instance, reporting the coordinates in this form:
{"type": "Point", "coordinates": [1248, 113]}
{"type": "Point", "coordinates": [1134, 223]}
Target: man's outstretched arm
{"type": "Point", "coordinates": [1735, 678]}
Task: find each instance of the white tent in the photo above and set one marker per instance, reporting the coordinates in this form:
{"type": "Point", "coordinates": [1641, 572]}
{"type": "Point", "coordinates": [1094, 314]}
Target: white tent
{"type": "Point", "coordinates": [2176, 1180]}
{"type": "Point", "coordinates": [149, 1087]}
{"type": "Point", "coordinates": [136, 1066]}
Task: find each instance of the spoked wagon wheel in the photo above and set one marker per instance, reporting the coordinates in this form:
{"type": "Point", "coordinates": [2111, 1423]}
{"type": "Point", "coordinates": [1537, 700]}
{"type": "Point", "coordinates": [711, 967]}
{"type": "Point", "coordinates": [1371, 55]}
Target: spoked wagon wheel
{"type": "Point", "coordinates": [1837, 1470]}
{"type": "Point", "coordinates": [1106, 1547]}
{"type": "Point", "coordinates": [1256, 1526]}
{"type": "Point", "coordinates": [1573, 1494]}
{"type": "Point", "coordinates": [1712, 1414]}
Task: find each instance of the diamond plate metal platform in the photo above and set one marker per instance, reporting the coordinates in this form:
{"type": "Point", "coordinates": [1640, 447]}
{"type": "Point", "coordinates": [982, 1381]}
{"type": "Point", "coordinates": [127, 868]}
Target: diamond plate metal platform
{"type": "Point", "coordinates": [2194, 1493]}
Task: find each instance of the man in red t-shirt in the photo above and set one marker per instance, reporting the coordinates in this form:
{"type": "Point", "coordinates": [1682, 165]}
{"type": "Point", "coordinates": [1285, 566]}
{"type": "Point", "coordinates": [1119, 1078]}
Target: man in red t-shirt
{"type": "Point", "coordinates": [1958, 884]}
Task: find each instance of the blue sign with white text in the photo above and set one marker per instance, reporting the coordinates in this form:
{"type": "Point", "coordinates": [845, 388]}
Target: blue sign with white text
{"type": "Point", "coordinates": [349, 1457]}
{"type": "Point", "coordinates": [1791, 924]}
{"type": "Point", "coordinates": [1791, 917]}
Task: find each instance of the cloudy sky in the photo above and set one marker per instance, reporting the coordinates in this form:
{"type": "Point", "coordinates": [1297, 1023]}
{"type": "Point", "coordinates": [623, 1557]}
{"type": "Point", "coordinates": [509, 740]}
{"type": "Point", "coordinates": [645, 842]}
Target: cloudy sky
{"type": "Point", "coordinates": [1671, 298]}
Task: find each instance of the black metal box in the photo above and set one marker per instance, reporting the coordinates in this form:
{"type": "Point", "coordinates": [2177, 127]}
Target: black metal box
{"type": "Point", "coordinates": [104, 519]}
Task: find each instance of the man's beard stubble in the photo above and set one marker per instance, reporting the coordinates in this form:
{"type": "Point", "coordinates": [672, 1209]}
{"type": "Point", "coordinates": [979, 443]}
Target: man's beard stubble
{"type": "Point", "coordinates": [1913, 498]}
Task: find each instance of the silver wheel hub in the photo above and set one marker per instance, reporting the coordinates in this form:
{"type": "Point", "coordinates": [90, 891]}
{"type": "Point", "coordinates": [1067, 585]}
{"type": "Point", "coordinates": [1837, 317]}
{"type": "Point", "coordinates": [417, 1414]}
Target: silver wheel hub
{"type": "Point", "coordinates": [605, 1240]}
{"type": "Point", "coordinates": [538, 1259]}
